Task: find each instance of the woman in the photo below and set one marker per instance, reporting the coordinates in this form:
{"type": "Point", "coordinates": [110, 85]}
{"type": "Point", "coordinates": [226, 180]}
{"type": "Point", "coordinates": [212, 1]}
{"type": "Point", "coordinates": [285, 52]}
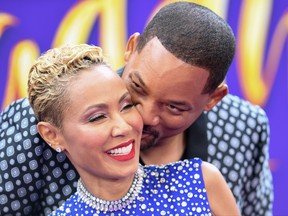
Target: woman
{"type": "Point", "coordinates": [85, 110]}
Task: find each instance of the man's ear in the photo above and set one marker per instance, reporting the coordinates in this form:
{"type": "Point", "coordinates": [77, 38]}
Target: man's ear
{"type": "Point", "coordinates": [50, 134]}
{"type": "Point", "coordinates": [131, 46]}
{"type": "Point", "coordinates": [220, 92]}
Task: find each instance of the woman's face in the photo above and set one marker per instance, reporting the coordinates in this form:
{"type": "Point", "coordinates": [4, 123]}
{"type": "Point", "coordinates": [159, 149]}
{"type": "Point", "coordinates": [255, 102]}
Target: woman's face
{"type": "Point", "coordinates": [101, 128]}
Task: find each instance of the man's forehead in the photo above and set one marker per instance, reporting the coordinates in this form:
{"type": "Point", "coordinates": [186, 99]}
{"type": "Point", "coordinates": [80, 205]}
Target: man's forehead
{"type": "Point", "coordinates": [156, 60]}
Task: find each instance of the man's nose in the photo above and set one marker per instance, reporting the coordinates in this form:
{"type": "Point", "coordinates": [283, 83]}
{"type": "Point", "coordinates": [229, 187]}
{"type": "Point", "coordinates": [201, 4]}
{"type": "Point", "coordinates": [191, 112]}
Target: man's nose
{"type": "Point", "coordinates": [149, 114]}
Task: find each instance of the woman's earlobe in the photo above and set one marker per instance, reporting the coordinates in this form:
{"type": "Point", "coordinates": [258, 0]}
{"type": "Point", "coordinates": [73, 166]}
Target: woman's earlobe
{"type": "Point", "coordinates": [49, 133]}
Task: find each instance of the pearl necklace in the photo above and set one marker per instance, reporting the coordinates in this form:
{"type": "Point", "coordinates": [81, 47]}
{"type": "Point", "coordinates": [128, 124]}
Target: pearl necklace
{"type": "Point", "coordinates": [110, 206]}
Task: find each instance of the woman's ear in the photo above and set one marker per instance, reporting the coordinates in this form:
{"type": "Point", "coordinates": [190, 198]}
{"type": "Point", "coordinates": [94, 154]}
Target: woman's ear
{"type": "Point", "coordinates": [220, 92]}
{"type": "Point", "coordinates": [50, 134]}
{"type": "Point", "coordinates": [131, 46]}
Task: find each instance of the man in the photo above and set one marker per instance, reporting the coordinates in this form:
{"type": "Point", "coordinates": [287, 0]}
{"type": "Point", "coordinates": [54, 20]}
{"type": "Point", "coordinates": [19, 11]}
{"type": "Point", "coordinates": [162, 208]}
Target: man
{"type": "Point", "coordinates": [175, 73]}
{"type": "Point", "coordinates": [175, 70]}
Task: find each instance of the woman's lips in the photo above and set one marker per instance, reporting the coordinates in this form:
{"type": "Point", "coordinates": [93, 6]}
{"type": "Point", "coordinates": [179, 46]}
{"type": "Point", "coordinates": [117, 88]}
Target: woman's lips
{"type": "Point", "coordinates": [123, 152]}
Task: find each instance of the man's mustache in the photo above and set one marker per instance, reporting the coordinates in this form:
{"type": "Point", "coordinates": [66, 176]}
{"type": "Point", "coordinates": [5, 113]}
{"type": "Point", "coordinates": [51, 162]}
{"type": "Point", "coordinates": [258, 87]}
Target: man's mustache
{"type": "Point", "coordinates": [150, 130]}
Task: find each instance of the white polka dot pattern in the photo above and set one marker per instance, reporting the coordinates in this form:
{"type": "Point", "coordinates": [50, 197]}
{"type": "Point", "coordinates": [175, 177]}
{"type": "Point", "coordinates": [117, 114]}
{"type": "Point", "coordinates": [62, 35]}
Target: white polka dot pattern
{"type": "Point", "coordinates": [238, 136]}
{"type": "Point", "coordinates": [34, 179]}
{"type": "Point", "coordinates": [175, 189]}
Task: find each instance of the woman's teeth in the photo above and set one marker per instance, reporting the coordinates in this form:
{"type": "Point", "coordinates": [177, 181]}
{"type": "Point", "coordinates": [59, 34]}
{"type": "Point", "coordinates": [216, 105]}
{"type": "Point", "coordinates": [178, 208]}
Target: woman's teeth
{"type": "Point", "coordinates": [121, 151]}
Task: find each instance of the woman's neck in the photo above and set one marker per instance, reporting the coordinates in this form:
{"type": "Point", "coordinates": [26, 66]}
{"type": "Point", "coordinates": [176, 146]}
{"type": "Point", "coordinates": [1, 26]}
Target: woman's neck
{"type": "Point", "coordinates": [165, 151]}
{"type": "Point", "coordinates": [108, 189]}
{"type": "Point", "coordinates": [111, 196]}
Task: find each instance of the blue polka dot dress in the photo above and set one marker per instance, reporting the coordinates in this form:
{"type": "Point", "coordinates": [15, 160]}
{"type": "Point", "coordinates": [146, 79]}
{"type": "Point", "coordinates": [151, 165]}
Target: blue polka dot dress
{"type": "Point", "coordinates": [172, 189]}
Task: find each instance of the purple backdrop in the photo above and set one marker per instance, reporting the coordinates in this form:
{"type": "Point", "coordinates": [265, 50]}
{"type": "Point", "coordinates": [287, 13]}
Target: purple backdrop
{"type": "Point", "coordinates": [39, 21]}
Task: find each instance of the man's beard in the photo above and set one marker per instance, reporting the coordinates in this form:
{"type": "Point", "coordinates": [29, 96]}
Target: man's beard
{"type": "Point", "coordinates": [151, 140]}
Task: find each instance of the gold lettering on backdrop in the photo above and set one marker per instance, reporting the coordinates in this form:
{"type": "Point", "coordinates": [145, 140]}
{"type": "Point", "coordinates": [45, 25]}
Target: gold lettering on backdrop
{"type": "Point", "coordinates": [78, 23]}
{"type": "Point", "coordinates": [257, 76]}
{"type": "Point", "coordinates": [75, 27]}
{"type": "Point", "coordinates": [22, 57]}
{"type": "Point", "coordinates": [253, 27]}
{"type": "Point", "coordinates": [6, 20]}
{"type": "Point", "coordinates": [255, 80]}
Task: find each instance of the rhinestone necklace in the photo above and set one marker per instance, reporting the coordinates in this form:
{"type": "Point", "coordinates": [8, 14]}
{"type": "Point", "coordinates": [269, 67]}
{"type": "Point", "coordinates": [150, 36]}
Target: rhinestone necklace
{"type": "Point", "coordinates": [110, 206]}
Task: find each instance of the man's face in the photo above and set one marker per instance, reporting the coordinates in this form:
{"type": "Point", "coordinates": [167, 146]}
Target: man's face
{"type": "Point", "coordinates": [167, 91]}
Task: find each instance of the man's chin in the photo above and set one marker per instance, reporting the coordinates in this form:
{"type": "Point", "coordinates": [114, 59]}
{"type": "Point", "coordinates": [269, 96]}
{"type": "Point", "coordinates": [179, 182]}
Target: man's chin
{"type": "Point", "coordinates": [147, 144]}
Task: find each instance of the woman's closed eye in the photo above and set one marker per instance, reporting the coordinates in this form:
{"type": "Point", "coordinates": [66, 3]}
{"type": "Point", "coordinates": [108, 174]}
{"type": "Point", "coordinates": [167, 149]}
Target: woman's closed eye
{"type": "Point", "coordinates": [97, 117]}
{"type": "Point", "coordinates": [127, 106]}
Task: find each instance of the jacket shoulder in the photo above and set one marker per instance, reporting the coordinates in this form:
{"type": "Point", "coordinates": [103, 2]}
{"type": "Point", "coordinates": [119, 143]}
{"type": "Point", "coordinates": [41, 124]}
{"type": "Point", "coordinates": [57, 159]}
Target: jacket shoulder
{"type": "Point", "coordinates": [234, 106]}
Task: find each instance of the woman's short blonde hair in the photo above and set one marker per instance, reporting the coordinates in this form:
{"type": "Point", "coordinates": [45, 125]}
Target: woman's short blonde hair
{"type": "Point", "coordinates": [50, 75]}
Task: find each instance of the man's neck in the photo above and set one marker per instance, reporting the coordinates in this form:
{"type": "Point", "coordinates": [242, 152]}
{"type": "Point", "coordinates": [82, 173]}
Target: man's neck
{"type": "Point", "coordinates": [165, 151]}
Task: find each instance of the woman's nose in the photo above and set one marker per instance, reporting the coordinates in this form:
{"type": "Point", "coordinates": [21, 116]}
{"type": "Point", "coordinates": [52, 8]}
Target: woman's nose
{"type": "Point", "coordinates": [121, 127]}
